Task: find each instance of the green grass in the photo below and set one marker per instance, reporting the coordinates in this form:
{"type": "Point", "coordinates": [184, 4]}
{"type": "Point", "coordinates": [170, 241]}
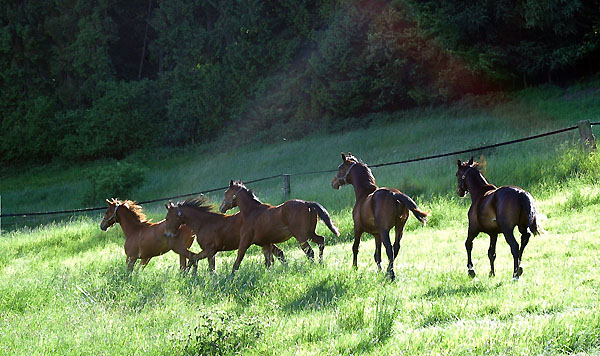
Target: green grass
{"type": "Point", "coordinates": [64, 288]}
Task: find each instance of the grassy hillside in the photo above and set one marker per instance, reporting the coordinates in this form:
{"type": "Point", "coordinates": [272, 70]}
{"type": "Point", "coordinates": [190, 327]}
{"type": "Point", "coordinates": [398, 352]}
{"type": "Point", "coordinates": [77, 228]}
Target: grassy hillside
{"type": "Point", "coordinates": [64, 287]}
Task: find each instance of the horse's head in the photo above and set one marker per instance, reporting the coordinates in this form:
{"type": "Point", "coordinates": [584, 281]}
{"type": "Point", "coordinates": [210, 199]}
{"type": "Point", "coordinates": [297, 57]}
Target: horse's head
{"type": "Point", "coordinates": [110, 216]}
{"type": "Point", "coordinates": [461, 174]}
{"type": "Point", "coordinates": [342, 175]}
{"type": "Point", "coordinates": [230, 198]}
{"type": "Point", "coordinates": [173, 219]}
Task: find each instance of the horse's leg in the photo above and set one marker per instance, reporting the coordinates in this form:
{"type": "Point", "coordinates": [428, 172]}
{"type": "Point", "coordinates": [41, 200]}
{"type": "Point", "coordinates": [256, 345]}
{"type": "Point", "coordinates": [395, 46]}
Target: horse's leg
{"type": "Point", "coordinates": [389, 250]}
{"type": "Point", "coordinates": [277, 252]}
{"type": "Point", "coordinates": [144, 262]}
{"type": "Point", "coordinates": [130, 263]}
{"type": "Point", "coordinates": [183, 262]}
{"type": "Point", "coordinates": [377, 254]}
{"type": "Point", "coordinates": [469, 246]}
{"type": "Point", "coordinates": [492, 253]}
{"type": "Point", "coordinates": [525, 235]}
{"type": "Point", "coordinates": [211, 262]}
{"type": "Point", "coordinates": [514, 250]}
{"type": "Point", "coordinates": [310, 254]}
{"type": "Point", "coordinates": [357, 233]}
{"type": "Point", "coordinates": [320, 241]}
{"type": "Point", "coordinates": [245, 242]}
{"type": "Point", "coordinates": [399, 231]}
{"type": "Point", "coordinates": [268, 255]}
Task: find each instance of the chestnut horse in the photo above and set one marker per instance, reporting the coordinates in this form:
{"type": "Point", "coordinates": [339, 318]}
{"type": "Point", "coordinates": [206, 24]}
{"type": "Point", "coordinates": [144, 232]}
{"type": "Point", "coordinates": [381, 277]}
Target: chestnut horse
{"type": "Point", "coordinates": [214, 232]}
{"type": "Point", "coordinates": [496, 210]}
{"type": "Point", "coordinates": [376, 210]}
{"type": "Point", "coordinates": [144, 239]}
{"type": "Point", "coordinates": [265, 224]}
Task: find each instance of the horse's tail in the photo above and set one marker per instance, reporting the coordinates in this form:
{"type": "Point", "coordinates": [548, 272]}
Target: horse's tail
{"type": "Point", "coordinates": [529, 206]}
{"type": "Point", "coordinates": [323, 215]}
{"type": "Point", "coordinates": [412, 206]}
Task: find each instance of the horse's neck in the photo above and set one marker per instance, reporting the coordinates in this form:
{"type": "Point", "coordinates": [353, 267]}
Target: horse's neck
{"type": "Point", "coordinates": [362, 185]}
{"type": "Point", "coordinates": [130, 223]}
{"type": "Point", "coordinates": [477, 186]}
{"type": "Point", "coordinates": [247, 203]}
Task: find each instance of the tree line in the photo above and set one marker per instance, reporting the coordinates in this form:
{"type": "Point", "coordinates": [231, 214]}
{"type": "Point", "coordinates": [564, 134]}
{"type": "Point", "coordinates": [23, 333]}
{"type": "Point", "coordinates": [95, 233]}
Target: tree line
{"type": "Point", "coordinates": [85, 79]}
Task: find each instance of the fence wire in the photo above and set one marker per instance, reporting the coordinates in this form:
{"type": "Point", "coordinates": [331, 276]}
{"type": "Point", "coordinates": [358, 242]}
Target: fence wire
{"type": "Point", "coordinates": [86, 210]}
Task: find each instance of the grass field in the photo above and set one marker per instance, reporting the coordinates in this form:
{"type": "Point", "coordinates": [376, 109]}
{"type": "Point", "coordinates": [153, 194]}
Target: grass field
{"type": "Point", "coordinates": [64, 288]}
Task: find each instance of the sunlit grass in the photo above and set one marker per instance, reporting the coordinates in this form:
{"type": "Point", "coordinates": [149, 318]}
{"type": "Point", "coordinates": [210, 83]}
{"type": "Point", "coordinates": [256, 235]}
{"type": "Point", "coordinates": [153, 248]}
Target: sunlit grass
{"type": "Point", "coordinates": [64, 288]}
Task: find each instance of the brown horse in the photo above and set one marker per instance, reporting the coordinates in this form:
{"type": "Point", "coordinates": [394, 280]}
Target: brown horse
{"type": "Point", "coordinates": [496, 210]}
{"type": "Point", "coordinates": [214, 232]}
{"type": "Point", "coordinates": [265, 224]}
{"type": "Point", "coordinates": [376, 210]}
{"type": "Point", "coordinates": [144, 239]}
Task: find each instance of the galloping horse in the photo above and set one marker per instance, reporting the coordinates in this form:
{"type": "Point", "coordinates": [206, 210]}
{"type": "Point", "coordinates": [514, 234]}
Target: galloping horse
{"type": "Point", "coordinates": [265, 224]}
{"type": "Point", "coordinates": [496, 210]}
{"type": "Point", "coordinates": [376, 210]}
{"type": "Point", "coordinates": [144, 239]}
{"type": "Point", "coordinates": [214, 232]}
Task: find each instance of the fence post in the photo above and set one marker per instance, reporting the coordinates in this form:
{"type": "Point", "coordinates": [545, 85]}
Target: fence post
{"type": "Point", "coordinates": [587, 137]}
{"type": "Point", "coordinates": [286, 186]}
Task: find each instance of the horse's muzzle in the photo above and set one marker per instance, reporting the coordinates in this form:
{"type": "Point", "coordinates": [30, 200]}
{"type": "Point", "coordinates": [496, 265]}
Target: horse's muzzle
{"type": "Point", "coordinates": [335, 183]}
{"type": "Point", "coordinates": [103, 227]}
{"type": "Point", "coordinates": [223, 208]}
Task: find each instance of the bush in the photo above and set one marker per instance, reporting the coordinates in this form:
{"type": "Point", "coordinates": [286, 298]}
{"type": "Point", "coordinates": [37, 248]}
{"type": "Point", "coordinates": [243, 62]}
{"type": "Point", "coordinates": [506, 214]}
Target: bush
{"type": "Point", "coordinates": [116, 179]}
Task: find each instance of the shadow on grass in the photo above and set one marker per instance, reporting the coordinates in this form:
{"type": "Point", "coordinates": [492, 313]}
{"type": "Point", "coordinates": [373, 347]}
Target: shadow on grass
{"type": "Point", "coordinates": [323, 294]}
{"type": "Point", "coordinates": [461, 290]}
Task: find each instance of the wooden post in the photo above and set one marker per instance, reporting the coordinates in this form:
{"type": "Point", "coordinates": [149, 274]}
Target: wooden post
{"type": "Point", "coordinates": [286, 186]}
{"type": "Point", "coordinates": [587, 137]}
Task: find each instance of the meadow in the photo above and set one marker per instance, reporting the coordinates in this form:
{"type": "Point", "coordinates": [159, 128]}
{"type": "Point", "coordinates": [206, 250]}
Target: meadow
{"type": "Point", "coordinates": [64, 288]}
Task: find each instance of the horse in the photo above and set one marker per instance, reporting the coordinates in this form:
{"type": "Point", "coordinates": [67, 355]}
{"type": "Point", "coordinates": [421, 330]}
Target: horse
{"type": "Point", "coordinates": [376, 211]}
{"type": "Point", "coordinates": [496, 210]}
{"type": "Point", "coordinates": [144, 239]}
{"type": "Point", "coordinates": [214, 232]}
{"type": "Point", "coordinates": [265, 224]}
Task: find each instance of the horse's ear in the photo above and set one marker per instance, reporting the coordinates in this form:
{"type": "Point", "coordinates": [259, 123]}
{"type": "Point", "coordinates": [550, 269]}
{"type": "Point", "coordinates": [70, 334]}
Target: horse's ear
{"type": "Point", "coordinates": [343, 157]}
{"type": "Point", "coordinates": [459, 163]}
{"type": "Point", "coordinates": [471, 161]}
{"type": "Point", "coordinates": [167, 206]}
{"type": "Point", "coordinates": [231, 182]}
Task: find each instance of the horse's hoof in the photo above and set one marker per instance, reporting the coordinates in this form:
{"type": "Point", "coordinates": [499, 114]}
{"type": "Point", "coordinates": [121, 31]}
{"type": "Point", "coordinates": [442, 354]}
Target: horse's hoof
{"type": "Point", "coordinates": [492, 274]}
{"type": "Point", "coordinates": [472, 273]}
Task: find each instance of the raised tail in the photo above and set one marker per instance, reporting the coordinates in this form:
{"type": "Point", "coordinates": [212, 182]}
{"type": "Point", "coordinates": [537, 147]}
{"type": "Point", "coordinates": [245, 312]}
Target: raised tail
{"type": "Point", "coordinates": [529, 206]}
{"type": "Point", "coordinates": [412, 206]}
{"type": "Point", "coordinates": [323, 215]}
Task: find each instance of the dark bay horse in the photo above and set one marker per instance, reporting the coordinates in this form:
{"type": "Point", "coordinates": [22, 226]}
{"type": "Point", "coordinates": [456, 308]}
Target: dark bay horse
{"type": "Point", "coordinates": [265, 224]}
{"type": "Point", "coordinates": [214, 232]}
{"type": "Point", "coordinates": [496, 210]}
{"type": "Point", "coordinates": [144, 239]}
{"type": "Point", "coordinates": [376, 210]}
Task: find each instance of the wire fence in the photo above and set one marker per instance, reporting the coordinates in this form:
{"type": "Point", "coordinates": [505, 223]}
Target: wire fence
{"type": "Point", "coordinates": [468, 150]}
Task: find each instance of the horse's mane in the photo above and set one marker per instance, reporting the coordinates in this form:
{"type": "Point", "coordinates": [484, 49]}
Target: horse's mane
{"type": "Point", "coordinates": [366, 173]}
{"type": "Point", "coordinates": [134, 207]}
{"type": "Point", "coordinates": [252, 195]}
{"type": "Point", "coordinates": [200, 203]}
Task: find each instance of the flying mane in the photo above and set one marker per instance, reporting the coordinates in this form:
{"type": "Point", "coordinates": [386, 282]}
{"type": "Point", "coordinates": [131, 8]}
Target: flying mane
{"type": "Point", "coordinates": [200, 203]}
{"type": "Point", "coordinates": [134, 208]}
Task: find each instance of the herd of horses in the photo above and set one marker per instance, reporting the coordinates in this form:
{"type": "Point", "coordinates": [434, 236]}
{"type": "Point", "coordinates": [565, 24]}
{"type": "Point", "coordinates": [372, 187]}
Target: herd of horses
{"type": "Point", "coordinates": [377, 210]}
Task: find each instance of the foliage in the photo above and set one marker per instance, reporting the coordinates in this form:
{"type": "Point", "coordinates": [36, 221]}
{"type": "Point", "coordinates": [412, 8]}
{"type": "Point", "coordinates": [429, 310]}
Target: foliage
{"type": "Point", "coordinates": [175, 73]}
{"type": "Point", "coordinates": [115, 180]}
{"type": "Point", "coordinates": [220, 333]}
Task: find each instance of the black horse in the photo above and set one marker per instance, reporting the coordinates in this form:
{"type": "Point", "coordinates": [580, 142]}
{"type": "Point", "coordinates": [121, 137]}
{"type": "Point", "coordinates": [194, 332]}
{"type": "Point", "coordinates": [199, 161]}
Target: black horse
{"type": "Point", "coordinates": [496, 210]}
